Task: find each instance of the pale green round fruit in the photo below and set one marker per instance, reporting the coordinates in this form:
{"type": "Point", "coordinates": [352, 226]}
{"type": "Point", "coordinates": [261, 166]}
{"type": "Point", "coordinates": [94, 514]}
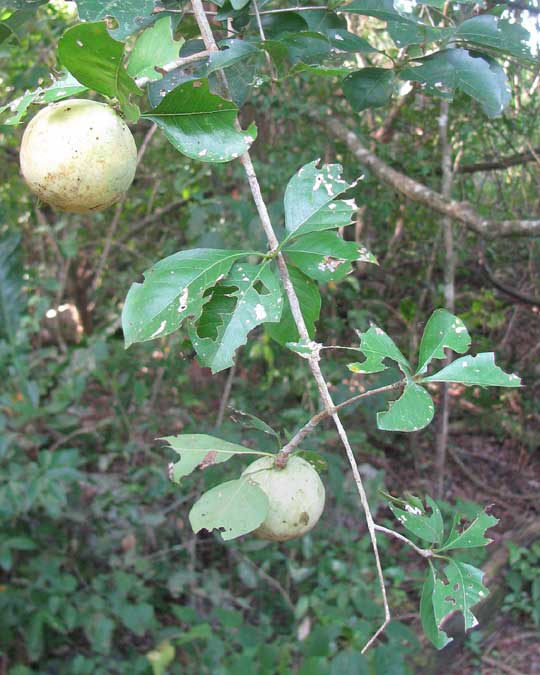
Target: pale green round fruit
{"type": "Point", "coordinates": [78, 156]}
{"type": "Point", "coordinates": [295, 497]}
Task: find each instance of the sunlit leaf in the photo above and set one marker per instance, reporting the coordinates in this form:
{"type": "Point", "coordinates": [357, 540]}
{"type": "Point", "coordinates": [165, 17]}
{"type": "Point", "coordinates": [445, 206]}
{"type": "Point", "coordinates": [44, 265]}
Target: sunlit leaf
{"type": "Point", "coordinates": [233, 508]}
{"type": "Point", "coordinates": [377, 346]}
{"type": "Point", "coordinates": [154, 47]}
{"type": "Point", "coordinates": [476, 370]}
{"type": "Point", "coordinates": [412, 411]}
{"type": "Point", "coordinates": [443, 330]}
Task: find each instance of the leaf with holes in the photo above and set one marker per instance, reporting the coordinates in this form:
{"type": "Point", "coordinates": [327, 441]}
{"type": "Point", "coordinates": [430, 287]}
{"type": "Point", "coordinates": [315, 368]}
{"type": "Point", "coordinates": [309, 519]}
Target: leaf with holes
{"type": "Point", "coordinates": [462, 590]}
{"type": "Point", "coordinates": [500, 35]}
{"type": "Point", "coordinates": [427, 614]}
{"type": "Point", "coordinates": [478, 76]}
{"type": "Point", "coordinates": [377, 346]}
{"type": "Point", "coordinates": [309, 200]}
{"type": "Point", "coordinates": [369, 88]}
{"type": "Point", "coordinates": [247, 298]}
{"type": "Point", "coordinates": [155, 47]}
{"type": "Point", "coordinates": [233, 508]}
{"type": "Point", "coordinates": [472, 536]}
{"type": "Point", "coordinates": [200, 450]}
{"type": "Point", "coordinates": [415, 518]}
{"type": "Point", "coordinates": [478, 370]}
{"type": "Point", "coordinates": [412, 411]}
{"type": "Point", "coordinates": [200, 124]}
{"type": "Point", "coordinates": [309, 299]}
{"type": "Point", "coordinates": [325, 256]}
{"type": "Point", "coordinates": [131, 15]}
{"type": "Point", "coordinates": [443, 330]}
{"type": "Point", "coordinates": [97, 61]}
{"type": "Point", "coordinates": [173, 289]}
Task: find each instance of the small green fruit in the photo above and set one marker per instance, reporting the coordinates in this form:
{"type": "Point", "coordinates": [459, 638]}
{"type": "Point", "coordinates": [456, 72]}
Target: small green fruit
{"type": "Point", "coordinates": [295, 497]}
{"type": "Point", "coordinates": [78, 156]}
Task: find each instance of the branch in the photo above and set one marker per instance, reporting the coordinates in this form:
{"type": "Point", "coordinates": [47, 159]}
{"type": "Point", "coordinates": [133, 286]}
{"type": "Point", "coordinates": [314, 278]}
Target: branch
{"type": "Point", "coordinates": [503, 163]}
{"type": "Point", "coordinates": [281, 458]}
{"type": "Point", "coordinates": [424, 552]}
{"type": "Point", "coordinates": [173, 65]}
{"type": "Point", "coordinates": [418, 192]}
{"type": "Point", "coordinates": [512, 292]}
{"type": "Point", "coordinates": [210, 44]}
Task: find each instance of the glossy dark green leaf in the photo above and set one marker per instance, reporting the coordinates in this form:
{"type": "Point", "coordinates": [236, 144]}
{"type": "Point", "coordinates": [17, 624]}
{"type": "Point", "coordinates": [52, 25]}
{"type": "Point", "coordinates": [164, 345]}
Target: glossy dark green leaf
{"type": "Point", "coordinates": [200, 450]}
{"type": "Point", "coordinates": [325, 256]}
{"type": "Point", "coordinates": [385, 10]}
{"type": "Point", "coordinates": [369, 88]}
{"type": "Point", "coordinates": [173, 289]}
{"type": "Point", "coordinates": [201, 125]}
{"type": "Point", "coordinates": [500, 35]}
{"type": "Point", "coordinates": [248, 297]}
{"type": "Point", "coordinates": [443, 331]}
{"type": "Point", "coordinates": [405, 34]}
{"type": "Point", "coordinates": [97, 61]}
{"type": "Point", "coordinates": [310, 305]}
{"type": "Point", "coordinates": [476, 370]}
{"type": "Point", "coordinates": [412, 411]}
{"type": "Point", "coordinates": [233, 508]}
{"type": "Point", "coordinates": [478, 76]}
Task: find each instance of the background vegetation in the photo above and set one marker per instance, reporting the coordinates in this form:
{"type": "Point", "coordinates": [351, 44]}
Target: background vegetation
{"type": "Point", "coordinates": [100, 570]}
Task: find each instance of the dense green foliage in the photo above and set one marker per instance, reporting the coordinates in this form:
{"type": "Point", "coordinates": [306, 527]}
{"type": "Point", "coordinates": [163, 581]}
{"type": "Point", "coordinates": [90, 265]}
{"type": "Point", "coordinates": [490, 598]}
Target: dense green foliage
{"type": "Point", "coordinates": [101, 572]}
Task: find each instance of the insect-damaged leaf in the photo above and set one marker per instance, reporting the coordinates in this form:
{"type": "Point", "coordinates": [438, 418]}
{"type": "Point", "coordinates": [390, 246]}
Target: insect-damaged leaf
{"type": "Point", "coordinates": [248, 297]}
{"type": "Point", "coordinates": [415, 518]}
{"type": "Point", "coordinates": [234, 508]}
{"type": "Point", "coordinates": [480, 370]}
{"type": "Point", "coordinates": [443, 330]}
{"type": "Point", "coordinates": [377, 346]}
{"type": "Point", "coordinates": [471, 536]}
{"type": "Point", "coordinates": [200, 124]}
{"type": "Point", "coordinates": [412, 411]}
{"type": "Point", "coordinates": [325, 256]}
{"type": "Point", "coordinates": [309, 200]}
{"type": "Point", "coordinates": [462, 590]}
{"type": "Point", "coordinates": [427, 614]}
{"type": "Point", "coordinates": [200, 450]}
{"type": "Point", "coordinates": [155, 47]}
{"type": "Point", "coordinates": [173, 289]}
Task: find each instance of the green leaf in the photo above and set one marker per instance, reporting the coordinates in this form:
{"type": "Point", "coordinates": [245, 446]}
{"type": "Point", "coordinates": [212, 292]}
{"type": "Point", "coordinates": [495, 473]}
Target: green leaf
{"type": "Point", "coordinates": [173, 289]}
{"type": "Point", "coordinates": [12, 302]}
{"type": "Point", "coordinates": [19, 107]}
{"type": "Point", "coordinates": [154, 47]}
{"type": "Point", "coordinates": [463, 590]}
{"type": "Point", "coordinates": [348, 42]}
{"type": "Point", "coordinates": [248, 297]}
{"type": "Point", "coordinates": [161, 657]}
{"type": "Point", "coordinates": [427, 614]}
{"type": "Point", "coordinates": [99, 629]}
{"type": "Point", "coordinates": [249, 421]}
{"type": "Point", "coordinates": [472, 536]}
{"type": "Point", "coordinates": [369, 88]}
{"type": "Point", "coordinates": [412, 411]}
{"type": "Point", "coordinates": [309, 199]}
{"type": "Point", "coordinates": [63, 87]}
{"type": "Point", "coordinates": [489, 31]}
{"type": "Point", "coordinates": [476, 75]}
{"type": "Point", "coordinates": [310, 306]}
{"type": "Point", "coordinates": [376, 346]}
{"type": "Point", "coordinates": [200, 450]}
{"type": "Point", "coordinates": [12, 26]}
{"type": "Point", "coordinates": [379, 9]}
{"type": "Point", "coordinates": [405, 34]}
{"type": "Point", "coordinates": [231, 52]}
{"type": "Point", "coordinates": [476, 370]}
{"type": "Point", "coordinates": [131, 15]}
{"type": "Point", "coordinates": [349, 662]}
{"type": "Point", "coordinates": [97, 61]}
{"type": "Point", "coordinates": [443, 330]}
{"type": "Point", "coordinates": [325, 256]}
{"type": "Point", "coordinates": [234, 508]}
{"type": "Point", "coordinates": [415, 519]}
{"type": "Point", "coordinates": [200, 124]}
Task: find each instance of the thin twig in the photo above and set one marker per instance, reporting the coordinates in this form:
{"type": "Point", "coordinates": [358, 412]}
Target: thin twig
{"type": "Point", "coordinates": [210, 44]}
{"type": "Point", "coordinates": [263, 38]}
{"type": "Point", "coordinates": [424, 552]}
{"type": "Point", "coordinates": [324, 414]}
{"type": "Point", "coordinates": [173, 65]}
